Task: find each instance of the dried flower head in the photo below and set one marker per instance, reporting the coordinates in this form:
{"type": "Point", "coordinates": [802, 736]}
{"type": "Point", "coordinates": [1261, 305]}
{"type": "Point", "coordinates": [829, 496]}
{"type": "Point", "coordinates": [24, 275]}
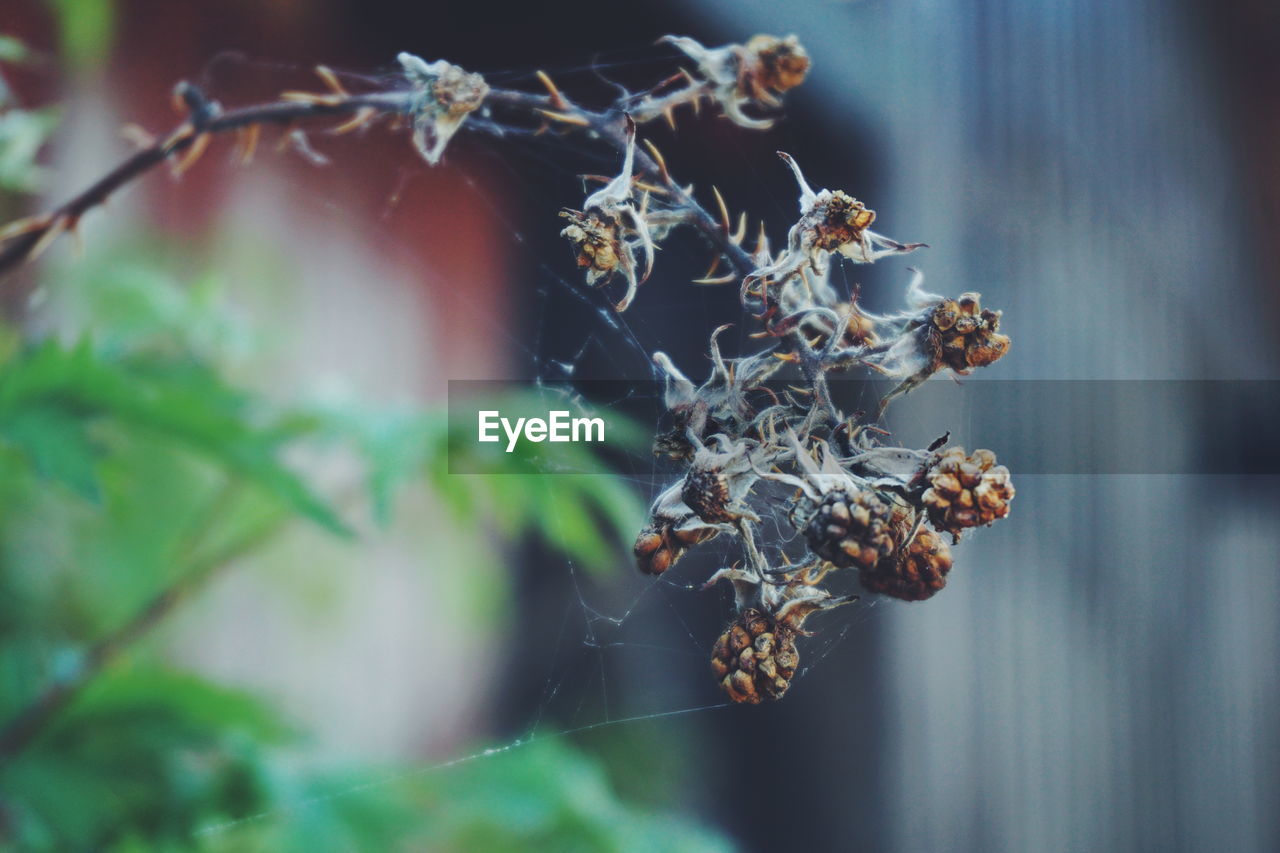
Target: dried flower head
{"type": "Point", "coordinates": [936, 334]}
{"type": "Point", "coordinates": [609, 228]}
{"type": "Point", "coordinates": [848, 528]}
{"type": "Point", "coordinates": [751, 74]}
{"type": "Point", "coordinates": [967, 491]}
{"type": "Point", "coordinates": [831, 222]}
{"type": "Point", "coordinates": [756, 656]}
{"type": "Point", "coordinates": [967, 335]}
{"type": "Point", "coordinates": [444, 96]}
{"type": "Point", "coordinates": [914, 573]}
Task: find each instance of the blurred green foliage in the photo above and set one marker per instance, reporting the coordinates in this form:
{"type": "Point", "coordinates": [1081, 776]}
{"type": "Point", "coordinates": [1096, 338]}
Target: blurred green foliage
{"type": "Point", "coordinates": [133, 468]}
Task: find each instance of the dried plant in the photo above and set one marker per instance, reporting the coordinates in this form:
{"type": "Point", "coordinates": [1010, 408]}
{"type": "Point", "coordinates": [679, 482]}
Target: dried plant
{"type": "Point", "coordinates": [858, 503]}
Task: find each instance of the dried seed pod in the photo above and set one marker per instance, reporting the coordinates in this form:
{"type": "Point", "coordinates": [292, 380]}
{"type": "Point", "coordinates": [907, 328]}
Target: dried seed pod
{"type": "Point", "coordinates": [755, 658]}
{"type": "Point", "coordinates": [597, 244]}
{"type": "Point", "coordinates": [967, 491]}
{"type": "Point", "coordinates": [770, 64]}
{"type": "Point", "coordinates": [966, 335]}
{"type": "Point", "coordinates": [831, 222]}
{"type": "Point", "coordinates": [850, 528]}
{"type": "Point", "coordinates": [718, 480]}
{"type": "Point", "coordinates": [721, 405]}
{"type": "Point", "coordinates": [915, 573]}
{"type": "Point", "coordinates": [839, 221]}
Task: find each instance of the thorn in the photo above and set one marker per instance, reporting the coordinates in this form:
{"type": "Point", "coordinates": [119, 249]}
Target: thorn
{"type": "Point", "coordinates": [724, 279]}
{"type": "Point", "coordinates": [362, 117]}
{"type": "Point", "coordinates": [27, 225]}
{"type": "Point", "coordinates": [762, 239]}
{"type": "Point", "coordinates": [658, 158]}
{"type": "Point", "coordinates": [198, 146]}
{"type": "Point", "coordinates": [248, 136]}
{"type": "Point", "coordinates": [803, 392]}
{"type": "Point", "coordinates": [286, 136]}
{"type": "Point", "coordinates": [669, 115]}
{"type": "Point", "coordinates": [736, 237]}
{"type": "Point", "coordinates": [330, 79]}
{"type": "Point", "coordinates": [557, 100]}
{"type": "Point", "coordinates": [178, 136]}
{"type": "Point", "coordinates": [565, 118]}
{"type": "Point", "coordinates": [780, 356]}
{"type": "Point", "coordinates": [76, 238]}
{"type": "Point", "coordinates": [137, 135]}
{"type": "Point", "coordinates": [725, 225]}
{"type": "Point", "coordinates": [311, 98]}
{"type": "Point", "coordinates": [56, 227]}
{"type": "Point", "coordinates": [711, 270]}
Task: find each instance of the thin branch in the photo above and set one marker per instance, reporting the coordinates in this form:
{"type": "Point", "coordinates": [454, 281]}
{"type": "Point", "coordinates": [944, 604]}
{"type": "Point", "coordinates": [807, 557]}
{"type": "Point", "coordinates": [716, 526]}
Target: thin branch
{"type": "Point", "coordinates": [25, 239]}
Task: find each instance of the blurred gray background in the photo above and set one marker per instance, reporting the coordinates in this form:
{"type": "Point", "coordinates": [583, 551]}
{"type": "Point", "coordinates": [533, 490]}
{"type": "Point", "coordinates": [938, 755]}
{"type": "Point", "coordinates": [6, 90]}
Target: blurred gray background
{"type": "Point", "coordinates": [1101, 673]}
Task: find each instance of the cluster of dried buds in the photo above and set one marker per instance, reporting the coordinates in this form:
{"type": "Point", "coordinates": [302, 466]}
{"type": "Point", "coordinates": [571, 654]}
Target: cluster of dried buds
{"type": "Point", "coordinates": [758, 455]}
{"type": "Point", "coordinates": [762, 445]}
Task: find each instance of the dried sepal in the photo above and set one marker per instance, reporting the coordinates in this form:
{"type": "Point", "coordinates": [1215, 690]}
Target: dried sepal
{"type": "Point", "coordinates": [721, 405]}
{"type": "Point", "coordinates": [831, 222]}
{"type": "Point", "coordinates": [719, 478]}
{"type": "Point", "coordinates": [444, 95]}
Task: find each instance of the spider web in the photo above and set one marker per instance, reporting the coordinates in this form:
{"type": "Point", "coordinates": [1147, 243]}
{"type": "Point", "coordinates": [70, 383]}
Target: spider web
{"type": "Point", "coordinates": [620, 628]}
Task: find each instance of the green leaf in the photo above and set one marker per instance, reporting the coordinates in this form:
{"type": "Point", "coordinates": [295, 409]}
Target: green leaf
{"type": "Point", "coordinates": [86, 29]}
{"type": "Point", "coordinates": [12, 50]}
{"type": "Point", "coordinates": [178, 401]}
{"type": "Point", "coordinates": [22, 134]}
{"type": "Point", "coordinates": [57, 444]}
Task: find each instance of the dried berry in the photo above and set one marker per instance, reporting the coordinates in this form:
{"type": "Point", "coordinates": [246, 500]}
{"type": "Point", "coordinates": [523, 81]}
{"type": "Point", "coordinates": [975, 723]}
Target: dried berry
{"type": "Point", "coordinates": [965, 335]}
{"type": "Point", "coordinates": [755, 658]}
{"type": "Point", "coordinates": [967, 491]}
{"type": "Point", "coordinates": [850, 528]}
{"type": "Point", "coordinates": [659, 546]}
{"type": "Point", "coordinates": [673, 528]}
{"type": "Point", "coordinates": [915, 573]}
{"type": "Point", "coordinates": [771, 64]}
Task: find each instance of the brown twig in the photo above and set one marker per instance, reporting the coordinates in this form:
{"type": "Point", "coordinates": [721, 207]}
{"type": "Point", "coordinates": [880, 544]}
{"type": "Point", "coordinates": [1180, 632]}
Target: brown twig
{"type": "Point", "coordinates": [26, 239]}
